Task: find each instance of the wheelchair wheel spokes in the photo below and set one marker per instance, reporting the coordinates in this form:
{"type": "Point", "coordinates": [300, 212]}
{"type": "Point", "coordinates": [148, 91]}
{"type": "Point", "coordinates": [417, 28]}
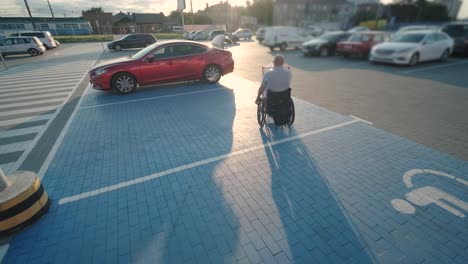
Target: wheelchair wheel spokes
{"type": "Point", "coordinates": [293, 112]}
{"type": "Point", "coordinates": [261, 114]}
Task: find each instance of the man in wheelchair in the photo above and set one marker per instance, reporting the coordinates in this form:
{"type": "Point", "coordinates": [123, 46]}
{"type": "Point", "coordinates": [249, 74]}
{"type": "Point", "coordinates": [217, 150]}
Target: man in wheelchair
{"type": "Point", "coordinates": [274, 94]}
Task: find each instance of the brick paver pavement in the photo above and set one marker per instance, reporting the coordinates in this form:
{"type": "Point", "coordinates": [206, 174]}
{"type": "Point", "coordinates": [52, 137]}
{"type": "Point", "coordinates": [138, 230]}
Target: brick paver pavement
{"type": "Point", "coordinates": [156, 177]}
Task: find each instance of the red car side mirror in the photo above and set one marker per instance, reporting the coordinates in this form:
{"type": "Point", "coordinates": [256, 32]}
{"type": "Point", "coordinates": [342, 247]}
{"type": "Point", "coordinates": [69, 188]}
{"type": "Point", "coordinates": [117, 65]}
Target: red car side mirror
{"type": "Point", "coordinates": [150, 59]}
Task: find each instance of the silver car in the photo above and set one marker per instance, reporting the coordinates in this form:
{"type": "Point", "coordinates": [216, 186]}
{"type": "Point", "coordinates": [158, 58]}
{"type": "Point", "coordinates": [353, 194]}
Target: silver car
{"type": "Point", "coordinates": [21, 45]}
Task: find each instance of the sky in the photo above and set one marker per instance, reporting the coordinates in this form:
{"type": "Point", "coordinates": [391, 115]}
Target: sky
{"type": "Point", "coordinates": [72, 8]}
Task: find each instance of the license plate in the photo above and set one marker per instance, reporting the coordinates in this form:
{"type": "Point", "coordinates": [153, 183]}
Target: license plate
{"type": "Point", "coordinates": [348, 47]}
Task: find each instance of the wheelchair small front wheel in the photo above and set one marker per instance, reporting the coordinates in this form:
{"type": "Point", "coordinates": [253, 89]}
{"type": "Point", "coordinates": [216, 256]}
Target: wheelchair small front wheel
{"type": "Point", "coordinates": [292, 111]}
{"type": "Point", "coordinates": [261, 114]}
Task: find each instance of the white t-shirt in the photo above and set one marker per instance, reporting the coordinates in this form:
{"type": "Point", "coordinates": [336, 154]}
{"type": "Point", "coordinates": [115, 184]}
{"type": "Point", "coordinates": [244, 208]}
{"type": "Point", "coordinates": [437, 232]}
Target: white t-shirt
{"type": "Point", "coordinates": [277, 80]}
{"type": "Point", "coordinates": [218, 41]}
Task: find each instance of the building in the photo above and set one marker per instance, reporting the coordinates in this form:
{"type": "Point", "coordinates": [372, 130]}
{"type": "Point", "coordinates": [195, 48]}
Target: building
{"type": "Point", "coordinates": [453, 7]}
{"type": "Point", "coordinates": [125, 23]}
{"type": "Point", "coordinates": [104, 21]}
{"type": "Point", "coordinates": [57, 26]}
{"type": "Point", "coordinates": [311, 12]}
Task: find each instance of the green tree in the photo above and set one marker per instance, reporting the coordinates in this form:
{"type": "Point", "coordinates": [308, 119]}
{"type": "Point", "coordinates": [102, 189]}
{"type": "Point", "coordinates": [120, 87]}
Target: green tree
{"type": "Point", "coordinates": [95, 10]}
{"type": "Point", "coordinates": [362, 15]}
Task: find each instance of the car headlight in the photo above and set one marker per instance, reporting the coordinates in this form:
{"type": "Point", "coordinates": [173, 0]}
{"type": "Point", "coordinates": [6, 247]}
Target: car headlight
{"type": "Point", "coordinates": [405, 50]}
{"type": "Point", "coordinates": [100, 71]}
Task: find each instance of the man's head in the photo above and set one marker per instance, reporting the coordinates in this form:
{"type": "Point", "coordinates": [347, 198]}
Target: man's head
{"type": "Point", "coordinates": [278, 60]}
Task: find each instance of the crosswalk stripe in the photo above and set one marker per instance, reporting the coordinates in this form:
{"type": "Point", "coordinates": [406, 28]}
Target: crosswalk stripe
{"type": "Point", "coordinates": [28, 110]}
{"type": "Point", "coordinates": [55, 72]}
{"type": "Point", "coordinates": [49, 71]}
{"type": "Point", "coordinates": [45, 69]}
{"type": "Point", "coordinates": [7, 166]}
{"type": "Point", "coordinates": [37, 75]}
{"type": "Point", "coordinates": [43, 101]}
{"type": "Point", "coordinates": [19, 132]}
{"type": "Point", "coordinates": [46, 79]}
{"type": "Point", "coordinates": [35, 88]}
{"type": "Point", "coordinates": [25, 120]}
{"type": "Point", "coordinates": [42, 91]}
{"type": "Point", "coordinates": [39, 96]}
{"type": "Point", "coordinates": [42, 77]}
{"type": "Point", "coordinates": [13, 147]}
{"type": "Point", "coordinates": [44, 83]}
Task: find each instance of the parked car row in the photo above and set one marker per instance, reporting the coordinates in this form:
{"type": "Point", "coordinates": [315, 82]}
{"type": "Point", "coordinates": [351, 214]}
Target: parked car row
{"type": "Point", "coordinates": [28, 42]}
{"type": "Point", "coordinates": [323, 42]}
{"type": "Point", "coordinates": [407, 48]}
{"type": "Point", "coordinates": [234, 36]}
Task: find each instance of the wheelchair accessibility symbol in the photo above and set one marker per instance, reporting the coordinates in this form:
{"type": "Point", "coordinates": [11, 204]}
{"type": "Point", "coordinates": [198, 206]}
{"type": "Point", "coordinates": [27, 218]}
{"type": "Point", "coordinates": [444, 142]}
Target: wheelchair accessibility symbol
{"type": "Point", "coordinates": [427, 195]}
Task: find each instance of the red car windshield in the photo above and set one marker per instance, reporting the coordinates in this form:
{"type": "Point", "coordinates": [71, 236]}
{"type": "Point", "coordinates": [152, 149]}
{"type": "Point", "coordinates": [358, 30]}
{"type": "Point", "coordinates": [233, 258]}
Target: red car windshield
{"type": "Point", "coordinates": [142, 53]}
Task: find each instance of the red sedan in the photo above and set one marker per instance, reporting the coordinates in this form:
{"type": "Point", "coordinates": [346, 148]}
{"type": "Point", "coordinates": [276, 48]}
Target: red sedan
{"type": "Point", "coordinates": [170, 61]}
{"type": "Point", "coordinates": [360, 43]}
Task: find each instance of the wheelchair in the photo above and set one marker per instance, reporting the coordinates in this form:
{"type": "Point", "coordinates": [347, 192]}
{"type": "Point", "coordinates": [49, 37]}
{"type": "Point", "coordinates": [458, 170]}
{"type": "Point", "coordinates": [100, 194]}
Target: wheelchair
{"type": "Point", "coordinates": [278, 106]}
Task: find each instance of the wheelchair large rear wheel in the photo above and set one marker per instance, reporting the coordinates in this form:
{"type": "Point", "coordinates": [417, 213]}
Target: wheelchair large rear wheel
{"type": "Point", "coordinates": [261, 114]}
{"type": "Point", "coordinates": [292, 111]}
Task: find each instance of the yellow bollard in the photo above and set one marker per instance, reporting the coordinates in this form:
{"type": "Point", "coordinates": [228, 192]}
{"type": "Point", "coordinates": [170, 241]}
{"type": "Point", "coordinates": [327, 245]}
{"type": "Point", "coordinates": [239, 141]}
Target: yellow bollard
{"type": "Point", "coordinates": [23, 200]}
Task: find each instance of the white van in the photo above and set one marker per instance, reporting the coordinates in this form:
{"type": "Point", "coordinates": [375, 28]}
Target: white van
{"type": "Point", "coordinates": [285, 37]}
{"type": "Point", "coordinates": [44, 36]}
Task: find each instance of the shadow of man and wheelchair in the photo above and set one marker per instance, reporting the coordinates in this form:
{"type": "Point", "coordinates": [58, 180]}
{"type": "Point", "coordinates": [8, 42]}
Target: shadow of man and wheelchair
{"type": "Point", "coordinates": [316, 227]}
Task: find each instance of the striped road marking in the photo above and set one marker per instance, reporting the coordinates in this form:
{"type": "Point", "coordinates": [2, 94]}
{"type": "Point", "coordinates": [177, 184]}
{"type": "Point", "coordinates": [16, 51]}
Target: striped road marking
{"type": "Point", "coordinates": [31, 96]}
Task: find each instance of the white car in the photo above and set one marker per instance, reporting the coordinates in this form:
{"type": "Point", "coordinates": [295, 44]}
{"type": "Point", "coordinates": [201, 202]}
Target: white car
{"type": "Point", "coordinates": [260, 34]}
{"type": "Point", "coordinates": [199, 35]}
{"type": "Point", "coordinates": [243, 33]}
{"type": "Point", "coordinates": [21, 45]}
{"type": "Point", "coordinates": [415, 28]}
{"type": "Point", "coordinates": [359, 29]}
{"type": "Point", "coordinates": [44, 36]}
{"type": "Point", "coordinates": [188, 35]}
{"type": "Point", "coordinates": [413, 47]}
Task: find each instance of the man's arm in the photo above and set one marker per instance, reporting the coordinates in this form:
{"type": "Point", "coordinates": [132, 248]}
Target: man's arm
{"type": "Point", "coordinates": [260, 92]}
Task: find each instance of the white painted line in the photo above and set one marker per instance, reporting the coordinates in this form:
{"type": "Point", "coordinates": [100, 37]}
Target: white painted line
{"type": "Point", "coordinates": [363, 120]}
{"type": "Point", "coordinates": [436, 67]}
{"type": "Point", "coordinates": [196, 164]}
{"type": "Point", "coordinates": [38, 83]}
{"type": "Point", "coordinates": [29, 85]}
{"type": "Point", "coordinates": [3, 250]}
{"type": "Point", "coordinates": [39, 76]}
{"type": "Point", "coordinates": [39, 101]}
{"type": "Point", "coordinates": [43, 90]}
{"type": "Point", "coordinates": [18, 146]}
{"type": "Point", "coordinates": [19, 132]}
{"type": "Point", "coordinates": [39, 110]}
{"type": "Point", "coordinates": [153, 98]}
{"type": "Point", "coordinates": [36, 139]}
{"type": "Point", "coordinates": [49, 69]}
{"type": "Point", "coordinates": [57, 144]}
{"type": "Point", "coordinates": [64, 94]}
{"type": "Point", "coordinates": [24, 120]}
{"type": "Point", "coordinates": [462, 181]}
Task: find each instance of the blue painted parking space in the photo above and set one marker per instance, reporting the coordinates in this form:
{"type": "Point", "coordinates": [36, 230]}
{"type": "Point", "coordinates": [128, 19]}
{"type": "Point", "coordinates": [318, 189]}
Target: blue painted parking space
{"type": "Point", "coordinates": [182, 174]}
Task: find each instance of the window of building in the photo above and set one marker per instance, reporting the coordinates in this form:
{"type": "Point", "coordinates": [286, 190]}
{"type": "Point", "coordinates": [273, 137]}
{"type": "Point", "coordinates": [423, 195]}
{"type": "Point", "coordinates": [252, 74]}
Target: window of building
{"type": "Point", "coordinates": [20, 26]}
{"type": "Point", "coordinates": [59, 25]}
{"type": "Point", "coordinates": [44, 26]}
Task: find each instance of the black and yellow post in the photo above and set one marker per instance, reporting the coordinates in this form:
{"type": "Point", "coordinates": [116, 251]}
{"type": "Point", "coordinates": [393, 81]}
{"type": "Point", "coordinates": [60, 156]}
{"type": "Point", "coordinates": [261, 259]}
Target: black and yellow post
{"type": "Point", "coordinates": [23, 200]}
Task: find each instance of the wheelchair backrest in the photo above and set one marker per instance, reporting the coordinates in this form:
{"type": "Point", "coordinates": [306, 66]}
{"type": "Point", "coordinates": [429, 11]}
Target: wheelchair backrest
{"type": "Point", "coordinates": [278, 97]}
